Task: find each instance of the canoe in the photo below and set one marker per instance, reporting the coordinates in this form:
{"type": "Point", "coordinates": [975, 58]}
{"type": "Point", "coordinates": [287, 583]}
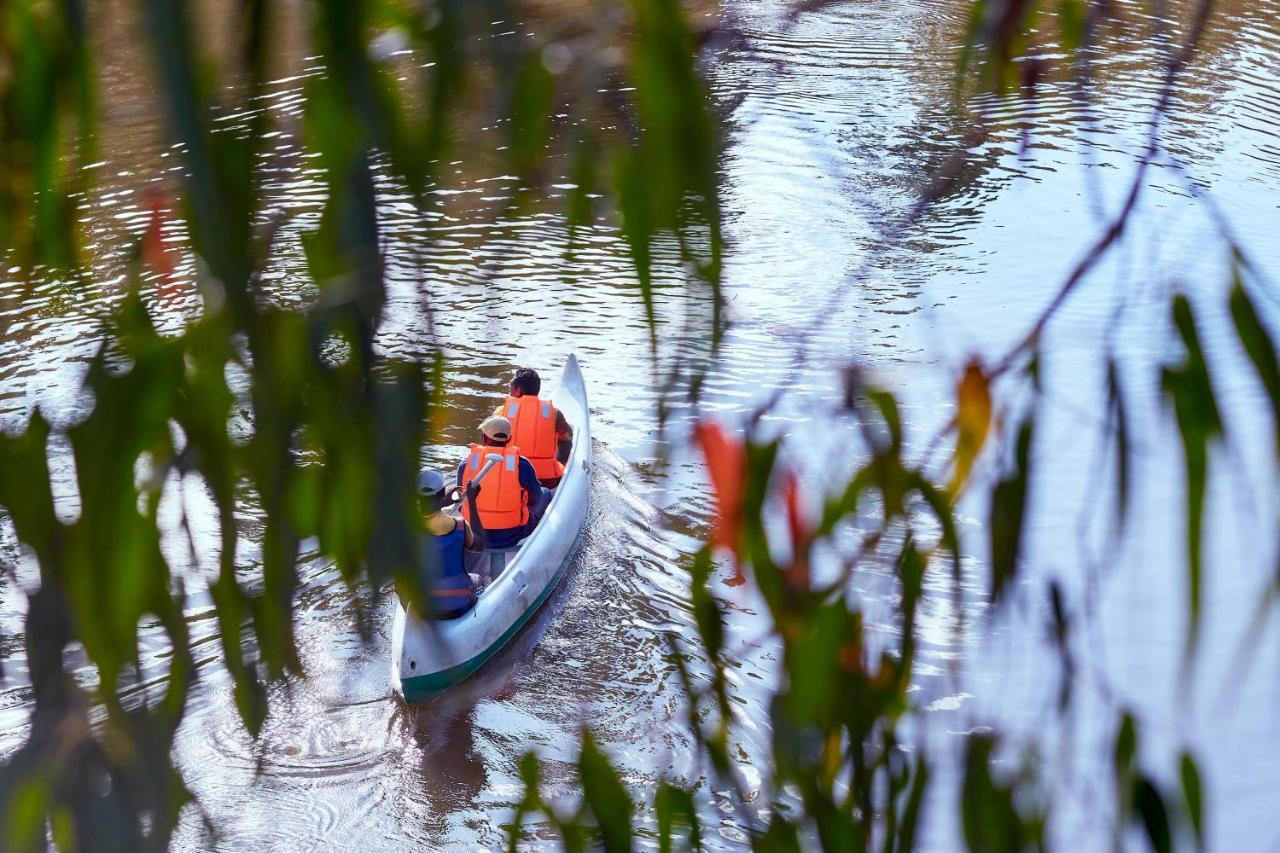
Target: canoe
{"type": "Point", "coordinates": [428, 657]}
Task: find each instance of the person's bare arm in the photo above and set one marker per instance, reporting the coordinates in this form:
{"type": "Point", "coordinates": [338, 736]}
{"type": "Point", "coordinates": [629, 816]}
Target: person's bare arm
{"type": "Point", "coordinates": [474, 538]}
{"type": "Point", "coordinates": [564, 437]}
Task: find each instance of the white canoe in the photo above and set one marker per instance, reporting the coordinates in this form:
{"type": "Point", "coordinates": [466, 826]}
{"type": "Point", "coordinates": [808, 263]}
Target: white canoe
{"type": "Point", "coordinates": [427, 658]}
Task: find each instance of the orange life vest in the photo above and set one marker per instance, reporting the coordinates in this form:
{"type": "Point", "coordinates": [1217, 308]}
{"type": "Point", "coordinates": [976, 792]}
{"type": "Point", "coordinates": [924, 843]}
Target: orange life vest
{"type": "Point", "coordinates": [533, 429]}
{"type": "Point", "coordinates": [501, 502]}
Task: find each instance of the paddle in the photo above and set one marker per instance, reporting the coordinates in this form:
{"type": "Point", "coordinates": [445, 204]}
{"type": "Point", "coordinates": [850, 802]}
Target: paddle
{"type": "Point", "coordinates": [472, 489]}
{"type": "Point", "coordinates": [485, 470]}
{"type": "Point", "coordinates": [476, 479]}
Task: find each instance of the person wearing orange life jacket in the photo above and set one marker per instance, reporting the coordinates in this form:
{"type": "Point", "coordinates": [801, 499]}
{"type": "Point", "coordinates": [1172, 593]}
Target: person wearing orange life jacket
{"type": "Point", "coordinates": [538, 428]}
{"type": "Point", "coordinates": [452, 590]}
{"type": "Point", "coordinates": [512, 500]}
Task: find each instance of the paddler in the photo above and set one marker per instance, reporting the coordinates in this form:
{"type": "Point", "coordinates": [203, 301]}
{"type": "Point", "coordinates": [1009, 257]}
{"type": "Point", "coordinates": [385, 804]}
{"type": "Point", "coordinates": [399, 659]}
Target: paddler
{"type": "Point", "coordinates": [453, 590]}
{"type": "Point", "coordinates": [538, 428]}
{"type": "Point", "coordinates": [512, 500]}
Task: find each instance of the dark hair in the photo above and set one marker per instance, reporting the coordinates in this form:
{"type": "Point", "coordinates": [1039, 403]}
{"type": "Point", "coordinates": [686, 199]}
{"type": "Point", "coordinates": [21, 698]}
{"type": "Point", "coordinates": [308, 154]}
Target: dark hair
{"type": "Point", "coordinates": [527, 380]}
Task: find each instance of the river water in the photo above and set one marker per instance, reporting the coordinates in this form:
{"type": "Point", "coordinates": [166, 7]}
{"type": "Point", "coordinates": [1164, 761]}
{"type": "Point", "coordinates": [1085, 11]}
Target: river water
{"type": "Point", "coordinates": [832, 125]}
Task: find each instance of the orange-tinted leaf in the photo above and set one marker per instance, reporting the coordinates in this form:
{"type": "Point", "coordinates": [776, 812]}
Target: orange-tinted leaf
{"type": "Point", "coordinates": [726, 462]}
{"type": "Point", "coordinates": [973, 421]}
{"type": "Point", "coordinates": [156, 254]}
{"type": "Point", "coordinates": [798, 573]}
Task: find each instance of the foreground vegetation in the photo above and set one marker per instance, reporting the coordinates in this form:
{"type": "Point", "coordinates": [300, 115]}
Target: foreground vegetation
{"type": "Point", "coordinates": [317, 387]}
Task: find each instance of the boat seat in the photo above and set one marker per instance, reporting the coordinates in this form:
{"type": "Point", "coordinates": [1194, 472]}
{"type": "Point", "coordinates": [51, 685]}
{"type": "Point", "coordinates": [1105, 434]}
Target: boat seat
{"type": "Point", "coordinates": [490, 563]}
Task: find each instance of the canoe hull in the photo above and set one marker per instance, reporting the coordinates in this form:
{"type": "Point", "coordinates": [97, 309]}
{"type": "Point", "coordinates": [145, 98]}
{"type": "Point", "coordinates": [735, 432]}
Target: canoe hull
{"type": "Point", "coordinates": [429, 657]}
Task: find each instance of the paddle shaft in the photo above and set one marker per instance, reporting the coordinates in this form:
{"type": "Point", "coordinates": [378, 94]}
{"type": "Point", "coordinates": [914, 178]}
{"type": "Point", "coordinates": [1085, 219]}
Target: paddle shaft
{"type": "Point", "coordinates": [462, 493]}
{"type": "Point", "coordinates": [483, 471]}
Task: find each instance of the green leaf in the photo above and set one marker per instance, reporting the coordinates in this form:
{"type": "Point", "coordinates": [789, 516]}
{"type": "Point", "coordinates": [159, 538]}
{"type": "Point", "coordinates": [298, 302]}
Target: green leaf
{"type": "Point", "coordinates": [910, 824]}
{"type": "Point", "coordinates": [1150, 807]}
{"type": "Point", "coordinates": [990, 815]}
{"type": "Point", "coordinates": [779, 837]}
{"type": "Point", "coordinates": [400, 406]}
{"type": "Point", "coordinates": [1192, 793]}
{"type": "Point", "coordinates": [605, 796]}
{"type": "Point", "coordinates": [531, 778]}
{"type": "Point", "coordinates": [530, 771]}
{"type": "Point", "coordinates": [706, 611]}
{"type": "Point", "coordinates": [579, 204]}
{"type": "Point", "coordinates": [1061, 640]}
{"type": "Point", "coordinates": [1260, 348]}
{"type": "Point", "coordinates": [911, 567]}
{"type": "Point", "coordinates": [638, 229]}
{"type": "Point", "coordinates": [219, 176]}
{"type": "Point", "coordinates": [1008, 515]}
{"type": "Point", "coordinates": [997, 33]}
{"type": "Point", "coordinates": [48, 100]}
{"type": "Point", "coordinates": [941, 506]}
{"type": "Point", "coordinates": [675, 807]}
{"type": "Point", "coordinates": [25, 491]}
{"type": "Point", "coordinates": [1126, 746]}
{"type": "Point", "coordinates": [1191, 392]}
{"type": "Point", "coordinates": [24, 815]}
{"type": "Point", "coordinates": [116, 570]}
{"type": "Point", "coordinates": [1120, 423]}
{"type": "Point", "coordinates": [887, 405]}
{"type": "Point", "coordinates": [1072, 22]}
{"type": "Point", "coordinates": [822, 649]}
{"type": "Point", "coordinates": [531, 108]}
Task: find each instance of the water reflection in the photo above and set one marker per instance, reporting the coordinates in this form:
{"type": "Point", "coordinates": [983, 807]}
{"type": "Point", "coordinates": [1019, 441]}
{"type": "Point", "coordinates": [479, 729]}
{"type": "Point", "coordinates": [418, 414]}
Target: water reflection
{"type": "Point", "coordinates": [450, 731]}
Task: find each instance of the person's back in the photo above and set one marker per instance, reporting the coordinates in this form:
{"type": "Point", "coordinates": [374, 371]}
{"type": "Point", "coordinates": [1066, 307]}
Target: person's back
{"type": "Point", "coordinates": [538, 428]}
{"type": "Point", "coordinates": [512, 499]}
{"type": "Point", "coordinates": [533, 430]}
{"type": "Point", "coordinates": [452, 590]}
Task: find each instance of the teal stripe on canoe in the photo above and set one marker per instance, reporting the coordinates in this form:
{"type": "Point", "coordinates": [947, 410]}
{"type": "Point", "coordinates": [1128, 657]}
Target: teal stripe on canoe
{"type": "Point", "coordinates": [420, 687]}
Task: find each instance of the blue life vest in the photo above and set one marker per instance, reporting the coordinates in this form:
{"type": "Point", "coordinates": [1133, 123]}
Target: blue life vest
{"type": "Point", "coordinates": [451, 592]}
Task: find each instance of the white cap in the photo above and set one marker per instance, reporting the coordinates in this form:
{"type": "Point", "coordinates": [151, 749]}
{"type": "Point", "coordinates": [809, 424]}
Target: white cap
{"type": "Point", "coordinates": [430, 482]}
{"type": "Point", "coordinates": [497, 428]}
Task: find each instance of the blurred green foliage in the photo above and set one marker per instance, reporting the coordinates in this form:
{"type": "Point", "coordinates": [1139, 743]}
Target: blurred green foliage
{"type": "Point", "coordinates": [333, 428]}
{"type": "Point", "coordinates": [332, 440]}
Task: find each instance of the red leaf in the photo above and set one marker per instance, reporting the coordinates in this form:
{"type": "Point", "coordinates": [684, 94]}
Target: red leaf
{"type": "Point", "coordinates": [798, 573]}
{"type": "Point", "coordinates": [156, 253]}
{"type": "Point", "coordinates": [726, 464]}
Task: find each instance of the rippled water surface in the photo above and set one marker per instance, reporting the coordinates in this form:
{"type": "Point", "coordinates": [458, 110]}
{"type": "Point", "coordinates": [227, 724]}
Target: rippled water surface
{"type": "Point", "coordinates": [833, 125]}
